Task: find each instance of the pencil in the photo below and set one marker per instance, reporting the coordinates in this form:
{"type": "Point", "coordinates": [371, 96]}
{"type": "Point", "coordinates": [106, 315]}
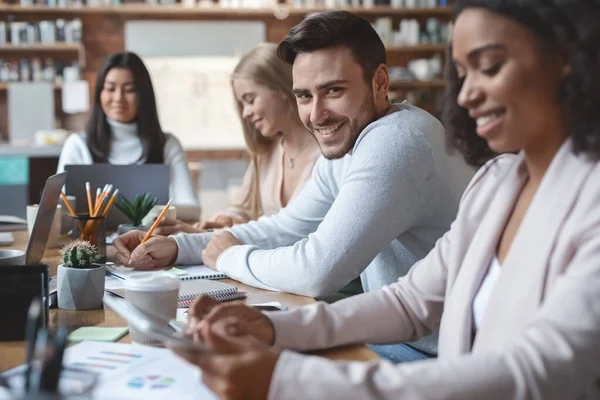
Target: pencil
{"type": "Point", "coordinates": [110, 203]}
{"type": "Point", "coordinates": [158, 219]}
{"type": "Point", "coordinates": [88, 191]}
{"type": "Point", "coordinates": [98, 191]}
{"type": "Point", "coordinates": [62, 194]}
{"type": "Point", "coordinates": [103, 195]}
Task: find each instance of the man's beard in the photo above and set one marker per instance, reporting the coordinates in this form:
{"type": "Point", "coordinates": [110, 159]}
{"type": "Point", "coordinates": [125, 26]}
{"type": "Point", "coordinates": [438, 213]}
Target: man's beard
{"type": "Point", "coordinates": [367, 114]}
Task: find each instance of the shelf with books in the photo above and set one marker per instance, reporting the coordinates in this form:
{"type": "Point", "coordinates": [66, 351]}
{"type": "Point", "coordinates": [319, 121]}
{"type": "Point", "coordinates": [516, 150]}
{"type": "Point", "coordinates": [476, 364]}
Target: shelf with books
{"type": "Point", "coordinates": [420, 48]}
{"type": "Point", "coordinates": [4, 85]}
{"type": "Point", "coordinates": [41, 47]}
{"type": "Point", "coordinates": [281, 11]}
{"type": "Point", "coordinates": [415, 85]}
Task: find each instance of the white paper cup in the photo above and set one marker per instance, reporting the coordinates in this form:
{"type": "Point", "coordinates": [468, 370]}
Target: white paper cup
{"type": "Point", "coordinates": [54, 236]}
{"type": "Point", "coordinates": [156, 295]}
{"type": "Point", "coordinates": [155, 211]}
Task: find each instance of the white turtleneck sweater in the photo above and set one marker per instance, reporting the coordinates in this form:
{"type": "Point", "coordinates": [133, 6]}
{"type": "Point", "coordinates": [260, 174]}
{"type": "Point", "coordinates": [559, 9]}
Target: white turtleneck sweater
{"type": "Point", "coordinates": [126, 148]}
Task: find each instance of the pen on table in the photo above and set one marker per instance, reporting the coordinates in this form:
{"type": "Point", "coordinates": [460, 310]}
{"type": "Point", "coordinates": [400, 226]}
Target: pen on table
{"type": "Point", "coordinates": [157, 222]}
{"type": "Point", "coordinates": [50, 374]}
{"type": "Point", "coordinates": [31, 331]}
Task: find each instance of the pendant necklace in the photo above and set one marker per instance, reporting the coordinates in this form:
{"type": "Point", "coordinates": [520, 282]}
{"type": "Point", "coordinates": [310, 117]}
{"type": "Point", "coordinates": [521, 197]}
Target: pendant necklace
{"type": "Point", "coordinates": [291, 161]}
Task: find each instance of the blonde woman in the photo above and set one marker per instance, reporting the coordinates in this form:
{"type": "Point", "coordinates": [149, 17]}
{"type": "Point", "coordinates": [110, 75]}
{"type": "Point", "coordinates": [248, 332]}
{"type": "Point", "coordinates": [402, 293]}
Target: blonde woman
{"type": "Point", "coordinates": [282, 151]}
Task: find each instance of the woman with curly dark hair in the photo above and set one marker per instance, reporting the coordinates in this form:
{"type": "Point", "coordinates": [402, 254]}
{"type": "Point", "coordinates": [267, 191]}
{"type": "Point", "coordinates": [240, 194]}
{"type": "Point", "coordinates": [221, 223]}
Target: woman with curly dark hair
{"type": "Point", "coordinates": [514, 286]}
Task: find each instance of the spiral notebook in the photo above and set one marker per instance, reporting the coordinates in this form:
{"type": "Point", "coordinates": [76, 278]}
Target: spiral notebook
{"type": "Point", "coordinates": [219, 291]}
{"type": "Point", "coordinates": [191, 289]}
{"type": "Point", "coordinates": [184, 273]}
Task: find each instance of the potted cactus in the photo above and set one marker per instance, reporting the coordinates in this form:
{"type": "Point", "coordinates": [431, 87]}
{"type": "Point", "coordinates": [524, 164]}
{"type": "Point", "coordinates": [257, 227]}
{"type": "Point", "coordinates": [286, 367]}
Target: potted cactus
{"type": "Point", "coordinates": [80, 282]}
{"type": "Point", "coordinates": [135, 211]}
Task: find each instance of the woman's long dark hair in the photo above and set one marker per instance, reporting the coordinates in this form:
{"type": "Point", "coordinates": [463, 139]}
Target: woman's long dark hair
{"type": "Point", "coordinates": [149, 130]}
{"type": "Point", "coordinates": [569, 27]}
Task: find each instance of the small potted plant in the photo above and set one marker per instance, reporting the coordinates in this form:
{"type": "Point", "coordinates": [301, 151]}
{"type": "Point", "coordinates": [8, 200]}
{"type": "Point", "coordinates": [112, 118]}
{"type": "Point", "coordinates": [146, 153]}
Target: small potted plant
{"type": "Point", "coordinates": [80, 282]}
{"type": "Point", "coordinates": [135, 211]}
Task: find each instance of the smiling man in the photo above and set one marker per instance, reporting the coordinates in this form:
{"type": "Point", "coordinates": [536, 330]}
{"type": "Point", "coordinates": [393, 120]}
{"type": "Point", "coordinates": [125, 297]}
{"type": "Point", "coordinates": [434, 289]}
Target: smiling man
{"type": "Point", "coordinates": [382, 194]}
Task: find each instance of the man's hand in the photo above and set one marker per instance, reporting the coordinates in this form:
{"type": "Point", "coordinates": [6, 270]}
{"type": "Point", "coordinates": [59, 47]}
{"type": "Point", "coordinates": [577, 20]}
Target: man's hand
{"type": "Point", "coordinates": [236, 318]}
{"type": "Point", "coordinates": [222, 221]}
{"type": "Point", "coordinates": [239, 367]}
{"type": "Point", "coordinates": [217, 245]}
{"type": "Point", "coordinates": [157, 252]}
{"type": "Point", "coordinates": [172, 226]}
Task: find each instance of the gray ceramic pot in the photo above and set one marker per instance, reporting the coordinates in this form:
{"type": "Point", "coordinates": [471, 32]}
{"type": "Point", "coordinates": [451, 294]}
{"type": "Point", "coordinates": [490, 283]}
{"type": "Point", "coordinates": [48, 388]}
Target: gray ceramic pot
{"type": "Point", "coordinates": [124, 228]}
{"type": "Point", "coordinates": [80, 288]}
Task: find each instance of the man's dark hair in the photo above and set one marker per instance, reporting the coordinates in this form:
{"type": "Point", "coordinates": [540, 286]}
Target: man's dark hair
{"type": "Point", "coordinates": [336, 28]}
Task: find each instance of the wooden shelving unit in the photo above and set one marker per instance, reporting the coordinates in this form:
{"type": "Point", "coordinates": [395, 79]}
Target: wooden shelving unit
{"type": "Point", "coordinates": [55, 48]}
{"type": "Point", "coordinates": [421, 48]}
{"type": "Point", "coordinates": [104, 30]}
{"type": "Point", "coordinates": [4, 86]}
{"type": "Point", "coordinates": [278, 11]}
{"type": "Point", "coordinates": [41, 47]}
{"type": "Point", "coordinates": [397, 85]}
{"type": "Point", "coordinates": [414, 85]}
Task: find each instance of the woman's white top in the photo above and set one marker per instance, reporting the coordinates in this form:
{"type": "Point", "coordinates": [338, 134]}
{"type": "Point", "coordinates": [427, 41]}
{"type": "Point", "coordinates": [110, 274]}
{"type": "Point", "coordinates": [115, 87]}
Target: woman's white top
{"type": "Point", "coordinates": [126, 148]}
{"type": "Point", "coordinates": [485, 290]}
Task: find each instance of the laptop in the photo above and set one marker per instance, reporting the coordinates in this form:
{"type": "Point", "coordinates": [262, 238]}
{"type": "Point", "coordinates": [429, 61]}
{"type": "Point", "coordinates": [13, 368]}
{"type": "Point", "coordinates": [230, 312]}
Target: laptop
{"type": "Point", "coordinates": [131, 180]}
{"type": "Point", "coordinates": [44, 218]}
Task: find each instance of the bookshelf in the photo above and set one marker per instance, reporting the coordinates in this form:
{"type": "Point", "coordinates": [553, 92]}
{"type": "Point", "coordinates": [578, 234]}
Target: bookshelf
{"type": "Point", "coordinates": [395, 85]}
{"type": "Point", "coordinates": [140, 9]}
{"type": "Point", "coordinates": [103, 32]}
{"type": "Point", "coordinates": [421, 48]}
{"type": "Point", "coordinates": [41, 47]}
{"type": "Point", "coordinates": [4, 86]}
{"type": "Point", "coordinates": [416, 85]}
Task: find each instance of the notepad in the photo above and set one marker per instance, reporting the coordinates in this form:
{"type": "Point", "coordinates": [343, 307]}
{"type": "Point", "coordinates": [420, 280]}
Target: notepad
{"type": "Point", "coordinates": [219, 291]}
{"type": "Point", "coordinates": [97, 334]}
{"type": "Point", "coordinates": [9, 223]}
{"type": "Point", "coordinates": [183, 273]}
{"type": "Point", "coordinates": [192, 289]}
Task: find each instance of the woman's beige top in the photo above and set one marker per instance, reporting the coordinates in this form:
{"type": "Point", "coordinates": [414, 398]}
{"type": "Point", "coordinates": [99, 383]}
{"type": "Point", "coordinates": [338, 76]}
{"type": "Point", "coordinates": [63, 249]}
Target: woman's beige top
{"type": "Point", "coordinates": [271, 168]}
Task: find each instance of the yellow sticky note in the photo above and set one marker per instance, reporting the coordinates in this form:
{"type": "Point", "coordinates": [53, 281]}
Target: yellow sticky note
{"type": "Point", "coordinates": [176, 271]}
{"type": "Point", "coordinates": [97, 334]}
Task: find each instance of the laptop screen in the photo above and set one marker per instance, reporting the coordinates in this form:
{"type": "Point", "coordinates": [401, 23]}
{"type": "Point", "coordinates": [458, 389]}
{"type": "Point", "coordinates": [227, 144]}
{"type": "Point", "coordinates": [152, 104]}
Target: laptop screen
{"type": "Point", "coordinates": [44, 218]}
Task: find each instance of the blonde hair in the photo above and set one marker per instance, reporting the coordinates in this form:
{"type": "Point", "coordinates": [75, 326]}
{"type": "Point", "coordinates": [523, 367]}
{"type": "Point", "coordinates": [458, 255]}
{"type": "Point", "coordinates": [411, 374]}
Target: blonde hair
{"type": "Point", "coordinates": [262, 66]}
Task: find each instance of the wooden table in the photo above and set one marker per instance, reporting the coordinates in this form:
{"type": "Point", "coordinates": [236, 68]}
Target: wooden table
{"type": "Point", "coordinates": [12, 353]}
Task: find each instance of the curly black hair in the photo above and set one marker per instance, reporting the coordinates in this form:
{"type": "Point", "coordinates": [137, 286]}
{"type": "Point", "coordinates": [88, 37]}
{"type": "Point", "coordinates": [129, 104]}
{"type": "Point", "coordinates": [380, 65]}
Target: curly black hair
{"type": "Point", "coordinates": [571, 27]}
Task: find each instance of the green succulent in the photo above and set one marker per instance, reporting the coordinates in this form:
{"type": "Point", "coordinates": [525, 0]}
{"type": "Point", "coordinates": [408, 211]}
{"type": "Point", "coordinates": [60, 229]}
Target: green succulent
{"type": "Point", "coordinates": [136, 211]}
{"type": "Point", "coordinates": [79, 254]}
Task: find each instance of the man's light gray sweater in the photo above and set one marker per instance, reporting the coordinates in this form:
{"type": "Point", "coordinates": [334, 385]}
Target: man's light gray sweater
{"type": "Point", "coordinates": [372, 213]}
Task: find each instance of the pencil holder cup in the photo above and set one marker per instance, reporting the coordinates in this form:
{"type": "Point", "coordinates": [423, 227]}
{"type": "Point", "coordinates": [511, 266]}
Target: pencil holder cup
{"type": "Point", "coordinates": [93, 230]}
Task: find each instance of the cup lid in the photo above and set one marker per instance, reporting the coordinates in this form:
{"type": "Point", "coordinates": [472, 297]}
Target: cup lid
{"type": "Point", "coordinates": [156, 281]}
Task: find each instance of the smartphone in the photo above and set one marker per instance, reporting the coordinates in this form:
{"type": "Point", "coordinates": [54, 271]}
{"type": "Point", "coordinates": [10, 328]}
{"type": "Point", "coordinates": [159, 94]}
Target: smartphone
{"type": "Point", "coordinates": [169, 335]}
{"type": "Point", "coordinates": [271, 306]}
{"type": "Point", "coordinates": [268, 308]}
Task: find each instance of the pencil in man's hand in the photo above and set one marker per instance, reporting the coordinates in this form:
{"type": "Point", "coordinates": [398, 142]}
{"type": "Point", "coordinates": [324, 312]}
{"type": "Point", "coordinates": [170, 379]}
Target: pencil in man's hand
{"type": "Point", "coordinates": [157, 222]}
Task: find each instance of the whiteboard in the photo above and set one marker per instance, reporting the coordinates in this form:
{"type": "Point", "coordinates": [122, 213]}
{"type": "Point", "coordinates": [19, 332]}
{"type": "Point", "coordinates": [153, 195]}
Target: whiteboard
{"type": "Point", "coordinates": [195, 100]}
{"type": "Point", "coordinates": [190, 63]}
